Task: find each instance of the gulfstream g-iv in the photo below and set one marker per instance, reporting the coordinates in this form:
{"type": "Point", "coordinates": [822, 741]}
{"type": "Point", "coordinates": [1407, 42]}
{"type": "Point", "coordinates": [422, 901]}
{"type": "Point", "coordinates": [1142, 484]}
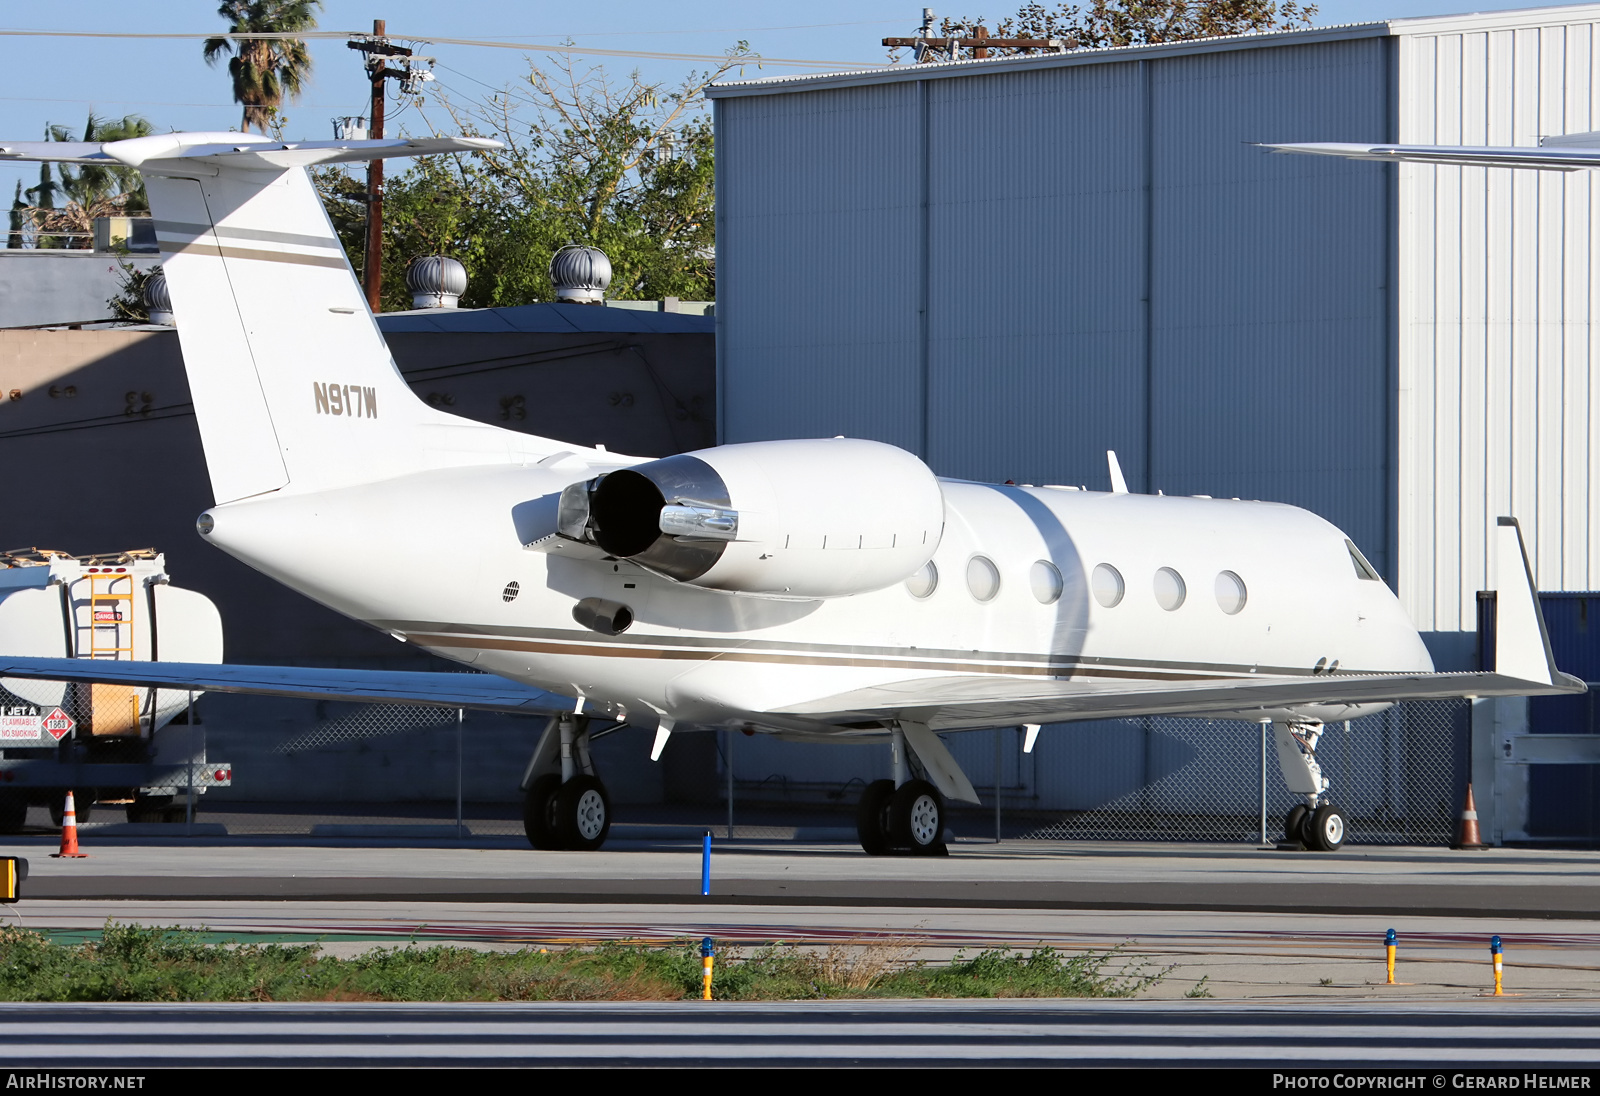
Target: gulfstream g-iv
{"type": "Point", "coordinates": [818, 589]}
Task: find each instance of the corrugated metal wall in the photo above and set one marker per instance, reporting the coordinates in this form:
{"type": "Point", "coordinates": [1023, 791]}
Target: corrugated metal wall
{"type": "Point", "coordinates": [1496, 298]}
{"type": "Point", "coordinates": [818, 219]}
{"type": "Point", "coordinates": [1106, 263]}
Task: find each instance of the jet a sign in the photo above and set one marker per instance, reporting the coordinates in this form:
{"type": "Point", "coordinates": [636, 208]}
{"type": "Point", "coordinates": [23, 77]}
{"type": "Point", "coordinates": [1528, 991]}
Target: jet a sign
{"type": "Point", "coordinates": [22, 723]}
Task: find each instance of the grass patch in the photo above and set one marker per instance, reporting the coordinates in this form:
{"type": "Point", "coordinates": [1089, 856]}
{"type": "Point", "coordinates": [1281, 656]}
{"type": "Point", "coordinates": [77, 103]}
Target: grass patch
{"type": "Point", "coordinates": [134, 963]}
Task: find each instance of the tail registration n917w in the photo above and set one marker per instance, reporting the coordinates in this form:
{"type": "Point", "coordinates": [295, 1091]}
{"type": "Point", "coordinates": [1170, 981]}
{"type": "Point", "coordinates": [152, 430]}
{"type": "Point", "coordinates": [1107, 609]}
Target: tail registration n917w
{"type": "Point", "coordinates": [345, 399]}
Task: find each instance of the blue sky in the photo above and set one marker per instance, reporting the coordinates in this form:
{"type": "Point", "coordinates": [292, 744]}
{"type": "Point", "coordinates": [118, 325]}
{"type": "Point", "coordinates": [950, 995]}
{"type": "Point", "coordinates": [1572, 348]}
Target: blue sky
{"type": "Point", "coordinates": [58, 80]}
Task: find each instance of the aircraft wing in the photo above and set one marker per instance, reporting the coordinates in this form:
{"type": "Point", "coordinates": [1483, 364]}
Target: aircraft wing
{"type": "Point", "coordinates": [482, 692]}
{"type": "Point", "coordinates": [976, 701]}
{"type": "Point", "coordinates": [1550, 156]}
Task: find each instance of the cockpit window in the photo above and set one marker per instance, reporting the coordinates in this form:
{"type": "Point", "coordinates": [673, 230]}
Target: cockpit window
{"type": "Point", "coordinates": [1364, 570]}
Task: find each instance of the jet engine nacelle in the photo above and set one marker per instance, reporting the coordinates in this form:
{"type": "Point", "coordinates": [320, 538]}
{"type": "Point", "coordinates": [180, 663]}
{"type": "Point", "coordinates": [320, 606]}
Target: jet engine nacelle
{"type": "Point", "coordinates": [813, 518]}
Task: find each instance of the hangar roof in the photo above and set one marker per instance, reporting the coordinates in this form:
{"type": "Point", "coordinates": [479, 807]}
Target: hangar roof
{"type": "Point", "coordinates": [1423, 25]}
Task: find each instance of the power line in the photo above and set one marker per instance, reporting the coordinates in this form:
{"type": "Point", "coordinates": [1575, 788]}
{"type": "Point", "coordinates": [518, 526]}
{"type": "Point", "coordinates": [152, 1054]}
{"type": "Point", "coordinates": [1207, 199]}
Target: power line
{"type": "Point", "coordinates": [710, 58]}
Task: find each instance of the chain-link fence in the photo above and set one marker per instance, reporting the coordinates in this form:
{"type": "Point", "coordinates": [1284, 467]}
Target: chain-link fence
{"type": "Point", "coordinates": [1395, 775]}
{"type": "Point", "coordinates": [338, 769]}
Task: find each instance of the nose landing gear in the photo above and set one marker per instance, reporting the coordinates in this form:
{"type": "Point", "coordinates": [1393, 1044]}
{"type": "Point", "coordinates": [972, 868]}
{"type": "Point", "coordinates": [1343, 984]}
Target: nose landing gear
{"type": "Point", "coordinates": [1316, 825]}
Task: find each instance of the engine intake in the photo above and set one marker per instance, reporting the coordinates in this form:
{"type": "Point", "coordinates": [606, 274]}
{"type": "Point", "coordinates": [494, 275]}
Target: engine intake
{"type": "Point", "coordinates": [815, 518]}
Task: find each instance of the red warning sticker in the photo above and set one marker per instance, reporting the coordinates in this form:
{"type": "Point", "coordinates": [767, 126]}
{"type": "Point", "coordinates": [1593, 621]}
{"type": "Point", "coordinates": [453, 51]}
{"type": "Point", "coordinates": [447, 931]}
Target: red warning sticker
{"type": "Point", "coordinates": [58, 723]}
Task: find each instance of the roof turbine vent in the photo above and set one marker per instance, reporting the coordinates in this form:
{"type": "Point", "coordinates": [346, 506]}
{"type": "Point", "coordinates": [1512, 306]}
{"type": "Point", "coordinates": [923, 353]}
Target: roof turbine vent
{"type": "Point", "coordinates": [580, 274]}
{"type": "Point", "coordinates": [158, 301]}
{"type": "Point", "coordinates": [436, 281]}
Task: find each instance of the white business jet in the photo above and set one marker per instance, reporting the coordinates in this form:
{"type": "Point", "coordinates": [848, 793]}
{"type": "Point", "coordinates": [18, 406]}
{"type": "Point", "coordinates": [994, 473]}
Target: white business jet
{"type": "Point", "coordinates": [823, 589]}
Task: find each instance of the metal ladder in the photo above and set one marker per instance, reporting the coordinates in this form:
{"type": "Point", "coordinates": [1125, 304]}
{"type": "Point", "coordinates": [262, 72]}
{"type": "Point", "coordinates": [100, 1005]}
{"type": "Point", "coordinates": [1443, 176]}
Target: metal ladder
{"type": "Point", "coordinates": [110, 610]}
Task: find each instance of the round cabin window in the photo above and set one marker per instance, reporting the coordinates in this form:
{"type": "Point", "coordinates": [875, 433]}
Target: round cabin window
{"type": "Point", "coordinates": [923, 582]}
{"type": "Point", "coordinates": [1231, 594]}
{"type": "Point", "coordinates": [1107, 584]}
{"type": "Point", "coordinates": [1045, 580]}
{"type": "Point", "coordinates": [1169, 588]}
{"type": "Point", "coordinates": [983, 578]}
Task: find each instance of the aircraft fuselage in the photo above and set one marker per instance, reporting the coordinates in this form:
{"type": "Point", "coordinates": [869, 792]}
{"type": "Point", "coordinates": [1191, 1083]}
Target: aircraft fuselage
{"type": "Point", "coordinates": [438, 559]}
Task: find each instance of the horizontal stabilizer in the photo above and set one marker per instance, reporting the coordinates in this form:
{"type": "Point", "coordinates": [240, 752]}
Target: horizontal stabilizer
{"type": "Point", "coordinates": [481, 692]}
{"type": "Point", "coordinates": [1550, 157]}
{"type": "Point", "coordinates": [235, 150]}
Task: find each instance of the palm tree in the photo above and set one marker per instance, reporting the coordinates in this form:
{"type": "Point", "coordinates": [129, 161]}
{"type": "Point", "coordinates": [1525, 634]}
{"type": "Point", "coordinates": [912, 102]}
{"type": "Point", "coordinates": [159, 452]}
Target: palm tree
{"type": "Point", "coordinates": [264, 70]}
{"type": "Point", "coordinates": [90, 192]}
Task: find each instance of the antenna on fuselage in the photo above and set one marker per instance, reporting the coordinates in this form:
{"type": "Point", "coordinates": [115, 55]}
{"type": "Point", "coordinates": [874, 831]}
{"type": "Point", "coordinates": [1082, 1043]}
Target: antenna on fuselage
{"type": "Point", "coordinates": [1119, 485]}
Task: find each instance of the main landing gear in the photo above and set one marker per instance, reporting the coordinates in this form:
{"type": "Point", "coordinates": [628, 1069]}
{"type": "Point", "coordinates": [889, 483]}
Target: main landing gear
{"type": "Point", "coordinates": [902, 815]}
{"type": "Point", "coordinates": [564, 804]}
{"type": "Point", "coordinates": [1316, 825]}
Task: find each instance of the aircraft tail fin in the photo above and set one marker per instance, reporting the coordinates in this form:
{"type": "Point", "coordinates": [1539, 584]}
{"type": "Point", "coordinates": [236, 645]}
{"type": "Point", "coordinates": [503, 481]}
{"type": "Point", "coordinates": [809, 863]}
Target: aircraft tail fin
{"type": "Point", "coordinates": [293, 383]}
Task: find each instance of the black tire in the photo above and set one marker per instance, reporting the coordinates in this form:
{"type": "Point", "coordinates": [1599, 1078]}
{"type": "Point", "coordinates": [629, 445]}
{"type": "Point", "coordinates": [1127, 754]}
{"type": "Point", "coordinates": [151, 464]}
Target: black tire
{"type": "Point", "coordinates": [1294, 823]}
{"type": "Point", "coordinates": [538, 812]}
{"type": "Point", "coordinates": [872, 817]}
{"type": "Point", "coordinates": [82, 808]}
{"type": "Point", "coordinates": [13, 813]}
{"type": "Point", "coordinates": [583, 814]}
{"type": "Point", "coordinates": [1327, 828]}
{"type": "Point", "coordinates": [916, 818]}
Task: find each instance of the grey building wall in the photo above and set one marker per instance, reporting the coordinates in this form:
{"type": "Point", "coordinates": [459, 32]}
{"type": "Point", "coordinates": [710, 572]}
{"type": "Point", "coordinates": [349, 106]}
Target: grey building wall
{"type": "Point", "coordinates": [1010, 266]}
{"type": "Point", "coordinates": [60, 286]}
{"type": "Point", "coordinates": [102, 454]}
{"type": "Point", "coordinates": [1010, 272]}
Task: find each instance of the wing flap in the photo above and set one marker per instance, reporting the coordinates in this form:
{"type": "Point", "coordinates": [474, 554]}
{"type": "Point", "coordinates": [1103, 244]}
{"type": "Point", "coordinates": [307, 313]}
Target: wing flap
{"type": "Point", "coordinates": [481, 692]}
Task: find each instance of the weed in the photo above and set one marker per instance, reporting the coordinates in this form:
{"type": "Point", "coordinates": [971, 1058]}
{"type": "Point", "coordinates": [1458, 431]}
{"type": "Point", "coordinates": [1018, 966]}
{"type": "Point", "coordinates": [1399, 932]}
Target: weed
{"type": "Point", "coordinates": [1200, 989]}
{"type": "Point", "coordinates": [137, 963]}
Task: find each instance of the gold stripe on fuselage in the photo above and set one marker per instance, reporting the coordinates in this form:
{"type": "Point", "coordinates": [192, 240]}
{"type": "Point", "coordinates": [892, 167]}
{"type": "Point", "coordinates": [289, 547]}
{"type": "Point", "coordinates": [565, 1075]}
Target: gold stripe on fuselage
{"type": "Point", "coordinates": [1054, 668]}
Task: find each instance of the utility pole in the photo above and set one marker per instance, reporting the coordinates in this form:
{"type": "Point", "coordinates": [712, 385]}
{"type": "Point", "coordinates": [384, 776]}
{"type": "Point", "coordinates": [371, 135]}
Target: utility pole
{"type": "Point", "coordinates": [377, 47]}
{"type": "Point", "coordinates": [928, 48]}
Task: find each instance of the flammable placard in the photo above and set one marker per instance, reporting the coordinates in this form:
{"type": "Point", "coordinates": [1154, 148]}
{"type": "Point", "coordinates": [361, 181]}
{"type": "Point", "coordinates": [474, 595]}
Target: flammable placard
{"type": "Point", "coordinates": [19, 724]}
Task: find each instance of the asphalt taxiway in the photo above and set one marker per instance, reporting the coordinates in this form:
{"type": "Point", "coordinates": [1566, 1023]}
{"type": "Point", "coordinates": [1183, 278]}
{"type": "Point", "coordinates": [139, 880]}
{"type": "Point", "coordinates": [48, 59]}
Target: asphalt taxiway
{"type": "Point", "coordinates": [1521, 883]}
{"type": "Point", "coordinates": [1226, 922]}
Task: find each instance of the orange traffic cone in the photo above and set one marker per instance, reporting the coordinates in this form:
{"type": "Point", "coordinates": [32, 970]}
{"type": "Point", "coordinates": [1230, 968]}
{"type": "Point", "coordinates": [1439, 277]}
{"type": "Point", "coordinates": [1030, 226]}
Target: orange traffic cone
{"type": "Point", "coordinates": [1469, 837]}
{"type": "Point", "coordinates": [69, 831]}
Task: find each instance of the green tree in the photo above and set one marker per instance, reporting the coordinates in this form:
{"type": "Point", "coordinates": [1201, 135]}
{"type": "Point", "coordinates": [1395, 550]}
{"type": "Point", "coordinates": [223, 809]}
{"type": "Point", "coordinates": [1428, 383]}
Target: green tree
{"type": "Point", "coordinates": [89, 191]}
{"type": "Point", "coordinates": [264, 70]}
{"type": "Point", "coordinates": [626, 167]}
{"type": "Point", "coordinates": [1105, 24]}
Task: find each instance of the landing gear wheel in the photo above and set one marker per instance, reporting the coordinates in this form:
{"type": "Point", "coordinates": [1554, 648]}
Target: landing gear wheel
{"type": "Point", "coordinates": [13, 813]}
{"type": "Point", "coordinates": [538, 812]}
{"type": "Point", "coordinates": [1294, 823]}
{"type": "Point", "coordinates": [916, 819]}
{"type": "Point", "coordinates": [1327, 828]}
{"type": "Point", "coordinates": [872, 818]}
{"type": "Point", "coordinates": [583, 814]}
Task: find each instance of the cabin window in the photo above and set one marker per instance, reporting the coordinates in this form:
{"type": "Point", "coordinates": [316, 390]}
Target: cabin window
{"type": "Point", "coordinates": [1169, 588]}
{"type": "Point", "coordinates": [1231, 594]}
{"type": "Point", "coordinates": [983, 578]}
{"type": "Point", "coordinates": [1364, 570]}
{"type": "Point", "coordinates": [1046, 582]}
{"type": "Point", "coordinates": [924, 581]}
{"type": "Point", "coordinates": [1106, 582]}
